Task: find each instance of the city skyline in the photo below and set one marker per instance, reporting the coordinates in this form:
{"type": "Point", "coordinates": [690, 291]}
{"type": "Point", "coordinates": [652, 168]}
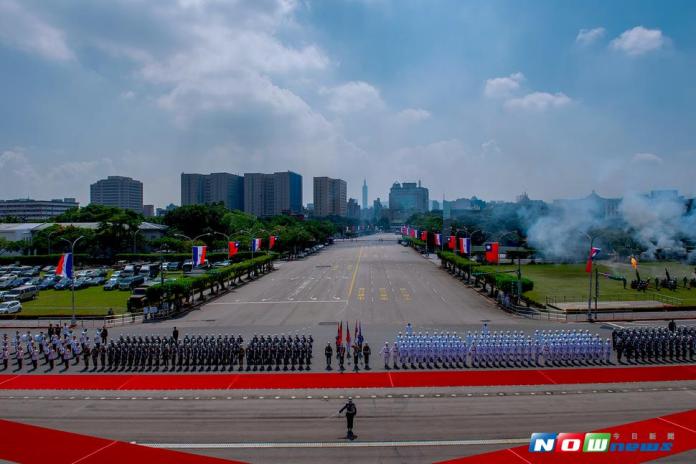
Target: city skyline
{"type": "Point", "coordinates": [356, 90]}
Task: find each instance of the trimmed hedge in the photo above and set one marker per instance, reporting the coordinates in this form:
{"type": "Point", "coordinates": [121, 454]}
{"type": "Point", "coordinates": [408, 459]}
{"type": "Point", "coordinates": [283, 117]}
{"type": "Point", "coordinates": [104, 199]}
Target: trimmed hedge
{"type": "Point", "coordinates": [186, 287]}
{"type": "Point", "coordinates": [212, 257]}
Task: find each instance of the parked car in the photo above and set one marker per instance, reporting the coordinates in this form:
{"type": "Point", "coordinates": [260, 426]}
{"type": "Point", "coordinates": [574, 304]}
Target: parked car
{"type": "Point", "coordinates": [129, 283]}
{"type": "Point", "coordinates": [19, 281]}
{"type": "Point", "coordinates": [10, 307]}
{"type": "Point", "coordinates": [138, 299]}
{"type": "Point", "coordinates": [63, 284]}
{"type": "Point", "coordinates": [222, 263]}
{"type": "Point", "coordinates": [82, 282]}
{"type": "Point", "coordinates": [48, 282]}
{"type": "Point", "coordinates": [111, 284]}
{"type": "Point", "coordinates": [95, 281]}
{"type": "Point", "coordinates": [174, 266]}
{"type": "Point", "coordinates": [23, 293]}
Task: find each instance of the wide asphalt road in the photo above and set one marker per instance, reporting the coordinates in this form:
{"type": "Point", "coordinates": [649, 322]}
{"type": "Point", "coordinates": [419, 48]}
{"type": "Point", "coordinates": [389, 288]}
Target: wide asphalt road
{"type": "Point", "coordinates": [401, 426]}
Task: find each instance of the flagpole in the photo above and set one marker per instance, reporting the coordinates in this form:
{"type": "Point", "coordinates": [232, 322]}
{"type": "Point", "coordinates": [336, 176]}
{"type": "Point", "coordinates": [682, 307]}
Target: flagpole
{"type": "Point", "coordinates": [73, 321]}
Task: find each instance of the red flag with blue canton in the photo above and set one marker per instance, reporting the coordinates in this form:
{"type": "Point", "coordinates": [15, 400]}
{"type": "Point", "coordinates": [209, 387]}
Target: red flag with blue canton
{"type": "Point", "coordinates": [492, 252]}
{"type": "Point", "coordinates": [594, 251]}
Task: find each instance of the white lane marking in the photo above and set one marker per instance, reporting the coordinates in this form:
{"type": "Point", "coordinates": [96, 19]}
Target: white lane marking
{"type": "Point", "coordinates": [278, 302]}
{"type": "Point", "coordinates": [339, 444]}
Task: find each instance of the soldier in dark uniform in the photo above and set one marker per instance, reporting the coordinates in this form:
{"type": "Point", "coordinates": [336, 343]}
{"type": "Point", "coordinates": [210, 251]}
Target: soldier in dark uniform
{"type": "Point", "coordinates": [328, 352]}
{"type": "Point", "coordinates": [351, 412]}
{"type": "Point", "coordinates": [240, 356]}
{"type": "Point", "coordinates": [356, 357]}
{"type": "Point", "coordinates": [86, 351]}
{"type": "Point", "coordinates": [366, 356]}
{"type": "Point", "coordinates": [102, 356]}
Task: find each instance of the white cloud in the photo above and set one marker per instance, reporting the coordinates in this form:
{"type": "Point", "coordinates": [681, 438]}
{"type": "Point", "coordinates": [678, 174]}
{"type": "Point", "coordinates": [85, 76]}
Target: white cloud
{"type": "Point", "coordinates": [20, 28]}
{"type": "Point", "coordinates": [499, 87]}
{"type": "Point", "coordinates": [538, 101]}
{"type": "Point", "coordinates": [646, 158]}
{"type": "Point", "coordinates": [352, 97]}
{"type": "Point", "coordinates": [127, 94]}
{"type": "Point", "coordinates": [490, 147]}
{"type": "Point", "coordinates": [588, 36]}
{"type": "Point", "coordinates": [638, 41]}
{"type": "Point", "coordinates": [412, 115]}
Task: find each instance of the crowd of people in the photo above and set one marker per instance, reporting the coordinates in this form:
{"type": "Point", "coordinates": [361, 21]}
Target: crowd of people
{"type": "Point", "coordinates": [655, 344]}
{"type": "Point", "coordinates": [486, 348]}
{"type": "Point", "coordinates": [193, 353]}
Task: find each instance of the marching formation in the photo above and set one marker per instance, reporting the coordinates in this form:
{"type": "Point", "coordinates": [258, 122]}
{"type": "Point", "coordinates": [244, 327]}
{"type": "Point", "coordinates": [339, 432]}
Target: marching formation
{"type": "Point", "coordinates": [154, 353]}
{"type": "Point", "coordinates": [655, 344]}
{"type": "Point", "coordinates": [495, 349]}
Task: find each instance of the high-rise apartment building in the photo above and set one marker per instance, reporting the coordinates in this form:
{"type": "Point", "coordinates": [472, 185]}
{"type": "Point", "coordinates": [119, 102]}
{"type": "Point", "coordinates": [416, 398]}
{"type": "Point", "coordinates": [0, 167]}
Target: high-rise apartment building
{"type": "Point", "coordinates": [406, 199]}
{"type": "Point", "coordinates": [118, 191]}
{"type": "Point", "coordinates": [330, 197]}
{"type": "Point", "coordinates": [353, 209]}
{"type": "Point", "coordinates": [218, 187]}
{"type": "Point", "coordinates": [268, 195]}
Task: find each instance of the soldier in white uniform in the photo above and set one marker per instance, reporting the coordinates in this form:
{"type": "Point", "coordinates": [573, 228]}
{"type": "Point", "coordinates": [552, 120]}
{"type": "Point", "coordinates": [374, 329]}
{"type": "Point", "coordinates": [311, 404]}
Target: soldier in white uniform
{"type": "Point", "coordinates": [385, 355]}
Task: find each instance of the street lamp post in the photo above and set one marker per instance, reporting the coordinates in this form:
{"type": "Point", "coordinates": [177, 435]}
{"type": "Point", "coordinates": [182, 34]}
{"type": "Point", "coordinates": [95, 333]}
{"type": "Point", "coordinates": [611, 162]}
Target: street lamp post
{"type": "Point", "coordinates": [49, 240]}
{"type": "Point", "coordinates": [519, 264]}
{"type": "Point", "coordinates": [471, 243]}
{"type": "Point", "coordinates": [72, 277]}
{"type": "Point", "coordinates": [589, 297]}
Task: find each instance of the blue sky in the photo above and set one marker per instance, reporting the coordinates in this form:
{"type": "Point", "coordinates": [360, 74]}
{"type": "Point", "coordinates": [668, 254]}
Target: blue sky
{"type": "Point", "coordinates": [486, 98]}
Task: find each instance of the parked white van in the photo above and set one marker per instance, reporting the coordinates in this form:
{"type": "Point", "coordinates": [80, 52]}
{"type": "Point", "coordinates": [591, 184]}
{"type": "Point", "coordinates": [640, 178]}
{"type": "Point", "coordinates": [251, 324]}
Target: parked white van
{"type": "Point", "coordinates": [23, 293]}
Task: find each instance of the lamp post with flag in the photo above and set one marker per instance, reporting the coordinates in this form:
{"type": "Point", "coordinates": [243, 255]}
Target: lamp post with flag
{"type": "Point", "coordinates": [469, 240]}
{"type": "Point", "coordinates": [65, 269]}
{"type": "Point", "coordinates": [588, 268]}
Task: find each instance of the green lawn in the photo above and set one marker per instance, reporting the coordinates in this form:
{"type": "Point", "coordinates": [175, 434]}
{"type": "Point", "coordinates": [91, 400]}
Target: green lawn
{"type": "Point", "coordinates": [88, 301]}
{"type": "Point", "coordinates": [571, 280]}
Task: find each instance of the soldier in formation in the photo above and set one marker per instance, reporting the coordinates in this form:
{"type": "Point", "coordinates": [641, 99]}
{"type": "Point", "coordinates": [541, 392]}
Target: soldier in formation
{"type": "Point", "coordinates": [655, 344]}
{"type": "Point", "coordinates": [496, 349]}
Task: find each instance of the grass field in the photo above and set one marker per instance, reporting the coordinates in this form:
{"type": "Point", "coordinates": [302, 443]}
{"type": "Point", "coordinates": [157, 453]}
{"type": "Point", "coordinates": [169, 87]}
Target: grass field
{"type": "Point", "coordinates": [571, 280]}
{"type": "Point", "coordinates": [88, 301]}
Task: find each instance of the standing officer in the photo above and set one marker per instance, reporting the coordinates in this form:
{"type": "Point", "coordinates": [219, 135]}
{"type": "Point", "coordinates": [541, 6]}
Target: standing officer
{"type": "Point", "coordinates": [328, 352]}
{"type": "Point", "coordinates": [351, 411]}
{"type": "Point", "coordinates": [366, 351]}
{"type": "Point", "coordinates": [175, 334]}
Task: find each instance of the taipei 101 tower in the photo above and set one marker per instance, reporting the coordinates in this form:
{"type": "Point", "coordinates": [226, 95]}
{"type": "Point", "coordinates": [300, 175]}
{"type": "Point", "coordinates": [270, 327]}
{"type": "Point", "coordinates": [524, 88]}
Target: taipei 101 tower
{"type": "Point", "coordinates": [364, 194]}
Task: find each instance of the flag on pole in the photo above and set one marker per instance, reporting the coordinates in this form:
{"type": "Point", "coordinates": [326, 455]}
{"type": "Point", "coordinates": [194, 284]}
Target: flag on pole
{"type": "Point", "coordinates": [438, 239]}
{"type": "Point", "coordinates": [271, 241]}
{"type": "Point", "coordinates": [492, 252]}
{"type": "Point", "coordinates": [634, 262]}
{"type": "Point", "coordinates": [594, 251]}
{"type": "Point", "coordinates": [355, 331]}
{"type": "Point", "coordinates": [339, 336]}
{"type": "Point", "coordinates": [199, 253]}
{"type": "Point", "coordinates": [452, 242]}
{"type": "Point", "coordinates": [403, 230]}
{"type": "Point", "coordinates": [347, 335]}
{"type": "Point", "coordinates": [360, 335]}
{"type": "Point", "coordinates": [424, 235]}
{"type": "Point", "coordinates": [255, 244]}
{"type": "Point", "coordinates": [233, 248]}
{"type": "Point", "coordinates": [465, 246]}
{"type": "Point", "coordinates": [65, 266]}
{"type": "Point", "coordinates": [414, 233]}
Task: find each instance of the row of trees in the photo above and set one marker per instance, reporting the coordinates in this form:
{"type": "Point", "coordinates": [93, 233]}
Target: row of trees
{"type": "Point", "coordinates": [118, 232]}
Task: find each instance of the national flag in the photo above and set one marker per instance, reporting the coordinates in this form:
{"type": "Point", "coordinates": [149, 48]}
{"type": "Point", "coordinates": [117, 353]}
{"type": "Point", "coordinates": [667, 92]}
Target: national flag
{"type": "Point", "coordinates": [424, 236]}
{"type": "Point", "coordinates": [355, 331]}
{"type": "Point", "coordinates": [492, 252]}
{"type": "Point", "coordinates": [233, 248]}
{"type": "Point", "coordinates": [348, 335]}
{"type": "Point", "coordinates": [65, 266]}
{"type": "Point", "coordinates": [634, 262]}
{"type": "Point", "coordinates": [199, 255]}
{"type": "Point", "coordinates": [414, 233]}
{"type": "Point", "coordinates": [271, 241]}
{"type": "Point", "coordinates": [403, 230]}
{"type": "Point", "coordinates": [360, 335]}
{"type": "Point", "coordinates": [438, 239]}
{"type": "Point", "coordinates": [594, 251]}
{"type": "Point", "coordinates": [452, 242]}
{"type": "Point", "coordinates": [339, 335]}
{"type": "Point", "coordinates": [465, 246]}
{"type": "Point", "coordinates": [255, 244]}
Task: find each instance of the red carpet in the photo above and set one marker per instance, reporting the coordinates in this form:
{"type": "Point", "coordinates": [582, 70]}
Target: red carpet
{"type": "Point", "coordinates": [681, 424]}
{"type": "Point", "coordinates": [29, 444]}
{"type": "Point", "coordinates": [349, 380]}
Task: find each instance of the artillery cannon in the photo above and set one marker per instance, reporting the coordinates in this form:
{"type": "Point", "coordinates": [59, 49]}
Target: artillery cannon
{"type": "Point", "coordinates": [668, 282]}
{"type": "Point", "coordinates": [639, 284]}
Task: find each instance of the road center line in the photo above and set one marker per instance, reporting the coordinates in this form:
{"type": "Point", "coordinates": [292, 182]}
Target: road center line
{"type": "Point", "coordinates": [355, 274]}
{"type": "Point", "coordinates": [339, 444]}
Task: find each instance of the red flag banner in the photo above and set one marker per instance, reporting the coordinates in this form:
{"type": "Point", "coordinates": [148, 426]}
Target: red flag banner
{"type": "Point", "coordinates": [233, 248]}
{"type": "Point", "coordinates": [424, 236]}
{"type": "Point", "coordinates": [271, 241]}
{"type": "Point", "coordinates": [594, 251]}
{"type": "Point", "coordinates": [452, 242]}
{"type": "Point", "coordinates": [492, 252]}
